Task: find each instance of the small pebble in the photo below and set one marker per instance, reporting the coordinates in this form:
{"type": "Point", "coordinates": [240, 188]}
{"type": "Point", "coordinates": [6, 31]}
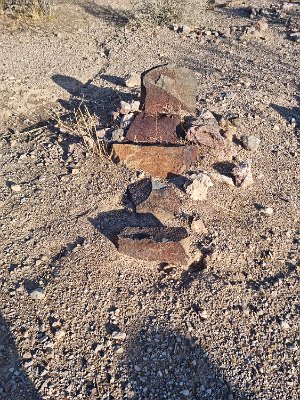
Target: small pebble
{"type": "Point", "coordinates": [250, 143]}
{"type": "Point", "coordinates": [61, 333]}
{"type": "Point", "coordinates": [198, 227]}
{"type": "Point", "coordinates": [203, 314]}
{"type": "Point", "coordinates": [118, 335]}
{"type": "Point", "coordinates": [37, 294]}
{"type": "Point", "coordinates": [284, 325]}
{"type": "Point", "coordinates": [268, 211]}
{"type": "Point", "coordinates": [15, 188]}
{"type": "Point", "coordinates": [120, 350]}
{"type": "Point", "coordinates": [133, 80]}
{"type": "Point", "coordinates": [185, 29]}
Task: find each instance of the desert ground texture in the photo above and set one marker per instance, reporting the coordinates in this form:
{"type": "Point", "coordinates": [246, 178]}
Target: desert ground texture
{"type": "Point", "coordinates": [81, 320]}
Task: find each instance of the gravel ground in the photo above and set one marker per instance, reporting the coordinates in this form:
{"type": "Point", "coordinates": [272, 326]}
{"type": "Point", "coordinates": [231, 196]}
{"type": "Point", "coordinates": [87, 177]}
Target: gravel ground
{"type": "Point", "coordinates": [81, 321]}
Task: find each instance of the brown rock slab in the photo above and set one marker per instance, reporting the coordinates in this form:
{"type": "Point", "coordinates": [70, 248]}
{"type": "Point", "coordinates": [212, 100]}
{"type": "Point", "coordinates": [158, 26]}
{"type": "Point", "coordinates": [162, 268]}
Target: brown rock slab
{"type": "Point", "coordinates": [158, 161]}
{"type": "Point", "coordinates": [170, 90]}
{"type": "Point", "coordinates": [161, 244]}
{"type": "Point", "coordinates": [148, 128]}
{"type": "Point", "coordinates": [164, 202]}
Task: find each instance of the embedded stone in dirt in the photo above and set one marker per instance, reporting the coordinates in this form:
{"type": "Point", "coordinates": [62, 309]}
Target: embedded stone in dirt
{"type": "Point", "coordinates": [154, 129]}
{"type": "Point", "coordinates": [170, 90]}
{"type": "Point", "coordinates": [164, 202]}
{"type": "Point", "coordinates": [163, 244]}
{"type": "Point", "coordinates": [158, 161]}
{"type": "Point", "coordinates": [209, 136]}
{"type": "Point", "coordinates": [250, 142]}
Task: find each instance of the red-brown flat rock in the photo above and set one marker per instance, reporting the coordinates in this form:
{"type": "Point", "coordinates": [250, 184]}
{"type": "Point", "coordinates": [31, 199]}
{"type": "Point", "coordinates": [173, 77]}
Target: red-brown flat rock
{"type": "Point", "coordinates": [161, 244]}
{"type": "Point", "coordinates": [148, 128]}
{"type": "Point", "coordinates": [158, 161]}
{"type": "Point", "coordinates": [169, 90]}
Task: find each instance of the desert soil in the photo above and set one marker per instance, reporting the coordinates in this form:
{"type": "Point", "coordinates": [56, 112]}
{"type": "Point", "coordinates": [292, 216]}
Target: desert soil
{"type": "Point", "coordinates": [107, 326]}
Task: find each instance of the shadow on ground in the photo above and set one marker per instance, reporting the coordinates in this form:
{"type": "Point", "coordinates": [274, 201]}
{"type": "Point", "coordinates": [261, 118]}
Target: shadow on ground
{"type": "Point", "coordinates": [14, 383]}
{"type": "Point", "coordinates": [99, 100]}
{"type": "Point", "coordinates": [163, 364]}
{"type": "Point", "coordinates": [108, 14]}
{"type": "Point", "coordinates": [290, 114]}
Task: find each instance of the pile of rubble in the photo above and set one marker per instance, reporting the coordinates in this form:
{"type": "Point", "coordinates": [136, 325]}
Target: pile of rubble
{"type": "Point", "coordinates": [163, 137]}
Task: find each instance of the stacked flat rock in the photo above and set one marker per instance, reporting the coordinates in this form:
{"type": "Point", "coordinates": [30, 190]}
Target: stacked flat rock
{"type": "Point", "coordinates": [154, 139]}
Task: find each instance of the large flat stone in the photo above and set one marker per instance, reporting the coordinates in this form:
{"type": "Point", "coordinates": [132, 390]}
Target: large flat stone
{"type": "Point", "coordinates": [169, 90]}
{"type": "Point", "coordinates": [163, 245]}
{"type": "Point", "coordinates": [158, 161]}
{"type": "Point", "coordinates": [148, 128]}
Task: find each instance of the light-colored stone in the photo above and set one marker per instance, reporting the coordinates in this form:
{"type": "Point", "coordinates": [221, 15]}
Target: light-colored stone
{"type": "Point", "coordinates": [198, 227]}
{"type": "Point", "coordinates": [15, 188]}
{"type": "Point", "coordinates": [203, 314]}
{"type": "Point", "coordinates": [199, 187]}
{"type": "Point", "coordinates": [37, 294]}
{"type": "Point", "coordinates": [250, 142]}
{"type": "Point", "coordinates": [133, 80]}
{"type": "Point", "coordinates": [268, 211]}
{"type": "Point", "coordinates": [284, 325]}
{"type": "Point", "coordinates": [60, 334]}
{"type": "Point", "coordinates": [125, 108]}
{"type": "Point", "coordinates": [118, 335]}
{"type": "Point", "coordinates": [216, 176]}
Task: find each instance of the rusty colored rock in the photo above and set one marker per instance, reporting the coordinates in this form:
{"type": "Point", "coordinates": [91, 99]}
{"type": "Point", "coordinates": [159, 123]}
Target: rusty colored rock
{"type": "Point", "coordinates": [208, 136]}
{"type": "Point", "coordinates": [158, 161]}
{"type": "Point", "coordinates": [161, 244]}
{"type": "Point", "coordinates": [169, 90]}
{"type": "Point", "coordinates": [148, 128]}
{"type": "Point", "coordinates": [164, 202]}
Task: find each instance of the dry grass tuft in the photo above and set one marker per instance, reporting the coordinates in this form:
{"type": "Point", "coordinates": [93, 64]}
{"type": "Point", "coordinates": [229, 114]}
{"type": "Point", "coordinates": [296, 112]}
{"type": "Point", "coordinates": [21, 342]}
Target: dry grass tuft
{"type": "Point", "coordinates": [85, 125]}
{"type": "Point", "coordinates": [26, 7]}
{"type": "Point", "coordinates": [164, 12]}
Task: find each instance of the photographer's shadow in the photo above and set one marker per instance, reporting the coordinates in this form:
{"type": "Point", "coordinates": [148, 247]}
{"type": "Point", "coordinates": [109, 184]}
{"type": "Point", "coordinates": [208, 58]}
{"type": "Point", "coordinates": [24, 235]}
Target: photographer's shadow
{"type": "Point", "coordinates": [14, 383]}
{"type": "Point", "coordinates": [163, 364]}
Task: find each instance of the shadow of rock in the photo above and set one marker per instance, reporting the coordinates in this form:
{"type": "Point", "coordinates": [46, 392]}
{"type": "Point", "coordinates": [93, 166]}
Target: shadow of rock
{"type": "Point", "coordinates": [224, 168]}
{"type": "Point", "coordinates": [290, 114]}
{"type": "Point", "coordinates": [107, 13]}
{"type": "Point", "coordinates": [163, 364]}
{"type": "Point", "coordinates": [98, 100]}
{"type": "Point", "coordinates": [14, 383]}
{"type": "Point", "coordinates": [113, 222]}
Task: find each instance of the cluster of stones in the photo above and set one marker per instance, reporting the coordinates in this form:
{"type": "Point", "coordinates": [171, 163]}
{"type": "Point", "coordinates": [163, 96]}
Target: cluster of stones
{"type": "Point", "coordinates": [164, 139]}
